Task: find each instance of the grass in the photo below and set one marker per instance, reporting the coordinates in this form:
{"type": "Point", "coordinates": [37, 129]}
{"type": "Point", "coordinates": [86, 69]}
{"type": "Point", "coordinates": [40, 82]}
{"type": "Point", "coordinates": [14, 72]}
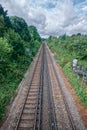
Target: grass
{"type": "Point", "coordinates": [64, 58]}
{"type": "Point", "coordinates": [76, 83]}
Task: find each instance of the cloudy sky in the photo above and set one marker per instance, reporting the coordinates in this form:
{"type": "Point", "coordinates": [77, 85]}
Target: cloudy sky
{"type": "Point", "coordinates": [51, 17]}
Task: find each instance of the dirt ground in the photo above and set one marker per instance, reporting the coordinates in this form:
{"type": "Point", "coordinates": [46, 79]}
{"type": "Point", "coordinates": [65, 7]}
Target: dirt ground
{"type": "Point", "coordinates": [81, 108]}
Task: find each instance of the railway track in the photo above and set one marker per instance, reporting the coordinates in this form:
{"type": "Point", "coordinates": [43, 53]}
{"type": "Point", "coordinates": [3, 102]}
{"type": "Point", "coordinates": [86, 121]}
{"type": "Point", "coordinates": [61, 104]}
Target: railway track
{"type": "Point", "coordinates": [65, 118]}
{"type": "Point", "coordinates": [48, 113]}
{"type": "Point", "coordinates": [27, 117]}
{"type": "Point", "coordinates": [45, 106]}
{"type": "Point", "coordinates": [63, 115]}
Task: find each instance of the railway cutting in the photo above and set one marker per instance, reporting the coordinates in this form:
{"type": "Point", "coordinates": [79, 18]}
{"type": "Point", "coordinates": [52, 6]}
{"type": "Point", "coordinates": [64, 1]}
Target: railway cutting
{"type": "Point", "coordinates": [43, 101]}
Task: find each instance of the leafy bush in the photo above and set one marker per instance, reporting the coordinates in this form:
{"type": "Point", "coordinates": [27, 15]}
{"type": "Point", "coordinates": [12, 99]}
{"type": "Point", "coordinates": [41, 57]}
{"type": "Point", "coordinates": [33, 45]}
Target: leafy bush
{"type": "Point", "coordinates": [20, 26]}
{"type": "Point", "coordinates": [66, 48]}
{"type": "Point", "coordinates": [17, 44]}
{"type": "Point", "coordinates": [5, 52]}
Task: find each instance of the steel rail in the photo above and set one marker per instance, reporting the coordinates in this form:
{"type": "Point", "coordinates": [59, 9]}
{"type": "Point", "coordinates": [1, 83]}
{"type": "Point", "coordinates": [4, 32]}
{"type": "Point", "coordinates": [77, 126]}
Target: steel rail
{"type": "Point", "coordinates": [39, 109]}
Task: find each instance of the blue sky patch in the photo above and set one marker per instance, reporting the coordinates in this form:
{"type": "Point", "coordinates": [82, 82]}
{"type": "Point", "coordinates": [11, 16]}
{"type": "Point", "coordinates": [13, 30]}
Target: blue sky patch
{"type": "Point", "coordinates": [48, 5]}
{"type": "Point", "coordinates": [78, 1]}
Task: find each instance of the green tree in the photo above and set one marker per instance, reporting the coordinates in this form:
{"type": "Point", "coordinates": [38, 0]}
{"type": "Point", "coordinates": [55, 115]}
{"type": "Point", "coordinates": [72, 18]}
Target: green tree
{"type": "Point", "coordinates": [35, 40]}
{"type": "Point", "coordinates": [21, 27]}
{"type": "Point", "coordinates": [17, 44]}
{"type": "Point", "coordinates": [5, 52]}
{"type": "Point", "coordinates": [5, 18]}
{"type": "Point", "coordinates": [2, 25]}
{"type": "Point", "coordinates": [34, 33]}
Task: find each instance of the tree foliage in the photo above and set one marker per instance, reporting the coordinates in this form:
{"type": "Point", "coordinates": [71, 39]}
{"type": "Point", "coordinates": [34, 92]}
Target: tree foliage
{"type": "Point", "coordinates": [34, 34]}
{"type": "Point", "coordinates": [20, 26]}
{"type": "Point", "coordinates": [18, 45]}
{"type": "Point", "coordinates": [75, 45]}
{"type": "Point", "coordinates": [2, 25]}
{"type": "Point", "coordinates": [4, 21]}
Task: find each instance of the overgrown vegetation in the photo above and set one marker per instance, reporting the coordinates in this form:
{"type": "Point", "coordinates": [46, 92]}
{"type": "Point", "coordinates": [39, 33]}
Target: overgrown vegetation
{"type": "Point", "coordinates": [65, 49]}
{"type": "Point", "coordinates": [18, 45]}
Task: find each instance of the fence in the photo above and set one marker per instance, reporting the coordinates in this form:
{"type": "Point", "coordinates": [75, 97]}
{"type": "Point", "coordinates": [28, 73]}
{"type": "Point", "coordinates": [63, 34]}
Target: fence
{"type": "Point", "coordinates": [81, 71]}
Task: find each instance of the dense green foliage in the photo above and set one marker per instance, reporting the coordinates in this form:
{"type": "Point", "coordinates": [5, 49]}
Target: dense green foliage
{"type": "Point", "coordinates": [20, 26]}
{"type": "Point", "coordinates": [4, 21]}
{"type": "Point", "coordinates": [35, 39]}
{"type": "Point", "coordinates": [65, 49]}
{"type": "Point", "coordinates": [18, 45]}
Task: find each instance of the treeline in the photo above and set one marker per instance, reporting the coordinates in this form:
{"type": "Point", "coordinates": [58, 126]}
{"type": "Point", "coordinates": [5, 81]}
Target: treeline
{"type": "Point", "coordinates": [65, 49]}
{"type": "Point", "coordinates": [75, 45]}
{"type": "Point", "coordinates": [18, 45]}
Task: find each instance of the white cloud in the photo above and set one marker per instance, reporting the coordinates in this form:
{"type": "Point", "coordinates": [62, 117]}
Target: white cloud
{"type": "Point", "coordinates": [51, 17]}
